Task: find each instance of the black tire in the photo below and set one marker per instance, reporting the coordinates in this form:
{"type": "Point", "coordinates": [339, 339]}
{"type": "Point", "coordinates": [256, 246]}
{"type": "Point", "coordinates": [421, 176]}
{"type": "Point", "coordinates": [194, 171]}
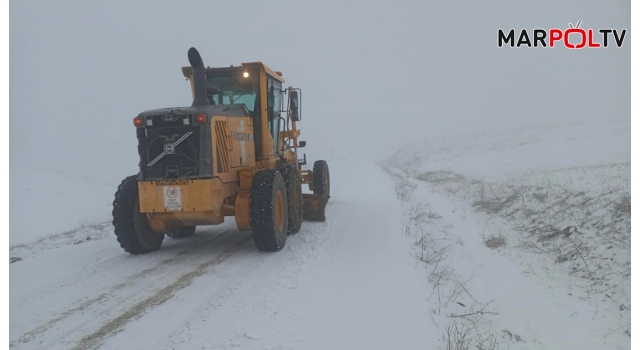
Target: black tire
{"type": "Point", "coordinates": [293, 182]}
{"type": "Point", "coordinates": [130, 226]}
{"type": "Point", "coordinates": [181, 232]}
{"type": "Point", "coordinates": [321, 183]}
{"type": "Point", "coordinates": [269, 213]}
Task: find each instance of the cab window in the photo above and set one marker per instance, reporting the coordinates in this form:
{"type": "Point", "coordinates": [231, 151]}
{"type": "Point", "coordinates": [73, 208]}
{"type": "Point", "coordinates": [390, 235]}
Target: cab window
{"type": "Point", "coordinates": [231, 86]}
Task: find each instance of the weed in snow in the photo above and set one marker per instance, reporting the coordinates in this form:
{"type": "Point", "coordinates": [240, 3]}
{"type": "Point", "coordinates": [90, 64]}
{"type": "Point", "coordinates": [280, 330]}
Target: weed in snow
{"type": "Point", "coordinates": [85, 232]}
{"type": "Point", "coordinates": [495, 241]}
{"type": "Point", "coordinates": [432, 249]}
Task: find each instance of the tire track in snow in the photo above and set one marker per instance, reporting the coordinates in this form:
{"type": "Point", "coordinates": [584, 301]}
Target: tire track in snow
{"type": "Point", "coordinates": [255, 292]}
{"type": "Point", "coordinates": [27, 337]}
{"type": "Point", "coordinates": [92, 340]}
{"type": "Point", "coordinates": [105, 297]}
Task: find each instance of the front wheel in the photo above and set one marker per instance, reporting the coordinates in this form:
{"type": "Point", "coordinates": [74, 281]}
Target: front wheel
{"type": "Point", "coordinates": [321, 183]}
{"type": "Point", "coordinates": [129, 224]}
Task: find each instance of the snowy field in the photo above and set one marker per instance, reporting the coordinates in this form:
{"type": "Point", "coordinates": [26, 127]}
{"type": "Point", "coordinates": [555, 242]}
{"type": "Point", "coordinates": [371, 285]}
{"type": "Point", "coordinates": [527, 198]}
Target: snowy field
{"type": "Point", "coordinates": [526, 233]}
{"type": "Point", "coordinates": [45, 203]}
{"type": "Point", "coordinates": [510, 240]}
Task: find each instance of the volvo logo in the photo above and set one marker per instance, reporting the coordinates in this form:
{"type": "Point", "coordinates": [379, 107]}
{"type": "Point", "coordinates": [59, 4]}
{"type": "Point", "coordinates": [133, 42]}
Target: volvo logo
{"type": "Point", "coordinates": [170, 148]}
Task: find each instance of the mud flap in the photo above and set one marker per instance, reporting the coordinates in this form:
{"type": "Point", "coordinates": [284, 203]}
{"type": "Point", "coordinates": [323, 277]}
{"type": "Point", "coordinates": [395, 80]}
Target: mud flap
{"type": "Point", "coordinates": [313, 206]}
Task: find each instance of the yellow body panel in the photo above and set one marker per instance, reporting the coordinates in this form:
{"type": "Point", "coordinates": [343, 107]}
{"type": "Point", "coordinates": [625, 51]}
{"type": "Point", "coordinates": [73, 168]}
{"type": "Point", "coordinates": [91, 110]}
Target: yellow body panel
{"type": "Point", "coordinates": [233, 146]}
{"type": "Point", "coordinates": [182, 202]}
{"type": "Point", "coordinates": [194, 195]}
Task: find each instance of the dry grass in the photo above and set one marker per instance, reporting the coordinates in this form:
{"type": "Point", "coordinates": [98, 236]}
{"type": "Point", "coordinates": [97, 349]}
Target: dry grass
{"type": "Point", "coordinates": [465, 336]}
{"type": "Point", "coordinates": [432, 249]}
{"type": "Point", "coordinates": [578, 228]}
{"type": "Point", "coordinates": [495, 241]}
{"type": "Point", "coordinates": [404, 189]}
{"type": "Point", "coordinates": [437, 177]}
{"type": "Point", "coordinates": [579, 217]}
{"type": "Point", "coordinates": [85, 232]}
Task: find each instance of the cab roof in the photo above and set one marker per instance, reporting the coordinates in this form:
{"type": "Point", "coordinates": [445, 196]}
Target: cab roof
{"type": "Point", "coordinates": [186, 71]}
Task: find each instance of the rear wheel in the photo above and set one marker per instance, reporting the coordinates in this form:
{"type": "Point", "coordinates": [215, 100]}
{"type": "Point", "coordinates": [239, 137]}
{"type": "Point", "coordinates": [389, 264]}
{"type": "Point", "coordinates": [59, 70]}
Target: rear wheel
{"type": "Point", "coordinates": [269, 210]}
{"type": "Point", "coordinates": [293, 183]}
{"type": "Point", "coordinates": [129, 224]}
{"type": "Point", "coordinates": [181, 232]}
{"type": "Point", "coordinates": [321, 183]}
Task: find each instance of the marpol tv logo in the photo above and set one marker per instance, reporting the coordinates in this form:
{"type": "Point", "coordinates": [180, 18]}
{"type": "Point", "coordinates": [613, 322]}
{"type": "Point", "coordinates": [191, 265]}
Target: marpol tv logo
{"type": "Point", "coordinates": [571, 38]}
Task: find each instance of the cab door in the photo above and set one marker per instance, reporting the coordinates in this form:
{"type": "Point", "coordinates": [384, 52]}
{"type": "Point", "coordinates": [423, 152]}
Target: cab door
{"type": "Point", "coordinates": [274, 109]}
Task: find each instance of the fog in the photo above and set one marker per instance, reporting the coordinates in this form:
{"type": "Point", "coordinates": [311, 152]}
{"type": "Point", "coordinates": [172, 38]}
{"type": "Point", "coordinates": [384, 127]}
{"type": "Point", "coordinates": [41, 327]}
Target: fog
{"type": "Point", "coordinates": [375, 75]}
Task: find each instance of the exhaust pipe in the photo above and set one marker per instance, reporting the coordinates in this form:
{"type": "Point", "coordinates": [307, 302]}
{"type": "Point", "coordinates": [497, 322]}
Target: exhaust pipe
{"type": "Point", "coordinates": [199, 78]}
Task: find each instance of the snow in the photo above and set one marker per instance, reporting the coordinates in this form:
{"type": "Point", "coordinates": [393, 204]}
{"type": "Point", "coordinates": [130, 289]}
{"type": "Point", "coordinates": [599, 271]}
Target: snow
{"type": "Point", "coordinates": [347, 281]}
{"type": "Point", "coordinates": [401, 262]}
{"type": "Point", "coordinates": [497, 154]}
{"type": "Point", "coordinates": [559, 198]}
{"type": "Point", "coordinates": [44, 202]}
{"type": "Point", "coordinates": [540, 303]}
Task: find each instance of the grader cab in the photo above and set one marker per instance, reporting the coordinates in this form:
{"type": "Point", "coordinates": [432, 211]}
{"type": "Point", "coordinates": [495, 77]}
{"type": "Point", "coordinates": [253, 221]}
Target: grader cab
{"type": "Point", "coordinates": [233, 152]}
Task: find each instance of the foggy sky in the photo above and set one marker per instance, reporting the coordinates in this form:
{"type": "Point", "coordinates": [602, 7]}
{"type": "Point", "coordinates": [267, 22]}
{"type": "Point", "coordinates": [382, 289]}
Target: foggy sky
{"type": "Point", "coordinates": [375, 75]}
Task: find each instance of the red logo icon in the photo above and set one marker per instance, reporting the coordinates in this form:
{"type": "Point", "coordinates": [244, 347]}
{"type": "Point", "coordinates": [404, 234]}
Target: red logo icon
{"type": "Point", "coordinates": [172, 192]}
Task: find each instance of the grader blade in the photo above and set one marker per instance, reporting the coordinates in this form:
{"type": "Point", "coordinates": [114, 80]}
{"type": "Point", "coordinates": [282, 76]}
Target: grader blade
{"type": "Point", "coordinates": [313, 206]}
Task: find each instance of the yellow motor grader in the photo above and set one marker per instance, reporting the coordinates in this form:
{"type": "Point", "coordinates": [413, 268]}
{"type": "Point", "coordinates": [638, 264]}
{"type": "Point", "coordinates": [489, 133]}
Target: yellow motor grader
{"type": "Point", "coordinates": [233, 152]}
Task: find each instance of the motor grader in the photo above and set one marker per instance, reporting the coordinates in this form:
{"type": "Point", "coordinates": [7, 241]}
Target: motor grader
{"type": "Point", "coordinates": [233, 152]}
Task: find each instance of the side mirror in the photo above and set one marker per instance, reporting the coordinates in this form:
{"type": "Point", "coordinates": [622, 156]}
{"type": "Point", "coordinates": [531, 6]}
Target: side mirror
{"type": "Point", "coordinates": [294, 106]}
{"type": "Point", "coordinates": [302, 144]}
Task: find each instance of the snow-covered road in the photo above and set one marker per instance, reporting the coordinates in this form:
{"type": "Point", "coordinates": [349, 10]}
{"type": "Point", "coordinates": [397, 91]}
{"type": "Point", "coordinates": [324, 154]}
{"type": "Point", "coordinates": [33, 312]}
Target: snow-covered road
{"type": "Point", "coordinates": [349, 282]}
{"type": "Point", "coordinates": [402, 262]}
